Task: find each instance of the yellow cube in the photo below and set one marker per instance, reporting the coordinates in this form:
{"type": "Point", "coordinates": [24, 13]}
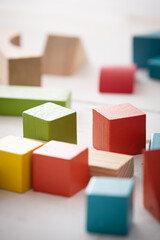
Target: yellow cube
{"type": "Point", "coordinates": [15, 163]}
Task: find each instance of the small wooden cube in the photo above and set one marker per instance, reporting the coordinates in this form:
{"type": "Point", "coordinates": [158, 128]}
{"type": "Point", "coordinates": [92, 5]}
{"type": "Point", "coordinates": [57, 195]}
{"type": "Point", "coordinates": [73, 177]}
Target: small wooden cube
{"type": "Point", "coordinates": [151, 182]}
{"type": "Point", "coordinates": [60, 168]}
{"type": "Point", "coordinates": [119, 128]}
{"type": "Point", "coordinates": [155, 141]}
{"type": "Point", "coordinates": [15, 163]}
{"type": "Point", "coordinates": [109, 205]}
{"type": "Point", "coordinates": [109, 164]}
{"type": "Point", "coordinates": [154, 67]}
{"type": "Point", "coordinates": [117, 79]}
{"type": "Point", "coordinates": [50, 121]}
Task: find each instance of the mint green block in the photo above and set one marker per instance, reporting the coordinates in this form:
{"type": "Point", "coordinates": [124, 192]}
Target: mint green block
{"type": "Point", "coordinates": [16, 99]}
{"type": "Point", "coordinates": [50, 121]}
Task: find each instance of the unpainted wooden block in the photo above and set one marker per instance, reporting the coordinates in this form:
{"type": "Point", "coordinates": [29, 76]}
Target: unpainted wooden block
{"type": "Point", "coordinates": [151, 182]}
{"type": "Point", "coordinates": [109, 205]}
{"type": "Point", "coordinates": [15, 163]}
{"type": "Point", "coordinates": [50, 121]}
{"type": "Point", "coordinates": [145, 46]}
{"type": "Point", "coordinates": [63, 55]}
{"type": "Point", "coordinates": [154, 67]}
{"type": "Point", "coordinates": [109, 164]}
{"type": "Point", "coordinates": [16, 99]}
{"type": "Point", "coordinates": [119, 128]}
{"type": "Point", "coordinates": [60, 168]}
{"type": "Point", "coordinates": [117, 79]}
{"type": "Point", "coordinates": [18, 66]}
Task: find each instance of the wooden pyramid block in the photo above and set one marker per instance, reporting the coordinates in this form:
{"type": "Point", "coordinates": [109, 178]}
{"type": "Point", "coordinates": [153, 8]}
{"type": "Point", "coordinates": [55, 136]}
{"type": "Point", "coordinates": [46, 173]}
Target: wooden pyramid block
{"type": "Point", "coordinates": [103, 163]}
{"type": "Point", "coordinates": [63, 55]}
{"type": "Point", "coordinates": [18, 66]}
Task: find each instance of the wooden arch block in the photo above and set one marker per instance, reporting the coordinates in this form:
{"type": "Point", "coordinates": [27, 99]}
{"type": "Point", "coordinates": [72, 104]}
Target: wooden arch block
{"type": "Point", "coordinates": [18, 66]}
{"type": "Point", "coordinates": [63, 55]}
{"type": "Point", "coordinates": [151, 182]}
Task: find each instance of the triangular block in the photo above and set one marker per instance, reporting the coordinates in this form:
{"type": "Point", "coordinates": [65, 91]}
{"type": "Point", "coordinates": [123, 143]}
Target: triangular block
{"type": "Point", "coordinates": [63, 55]}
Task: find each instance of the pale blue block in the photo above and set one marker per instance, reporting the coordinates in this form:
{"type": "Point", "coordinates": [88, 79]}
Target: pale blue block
{"type": "Point", "coordinates": [109, 205]}
{"type": "Point", "coordinates": [155, 141]}
{"type": "Point", "coordinates": [154, 67]}
{"type": "Point", "coordinates": [145, 46]}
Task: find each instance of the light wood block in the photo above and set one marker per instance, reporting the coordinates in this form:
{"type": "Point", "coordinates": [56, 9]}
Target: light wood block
{"type": "Point", "coordinates": [60, 168]}
{"type": "Point", "coordinates": [63, 55]}
{"type": "Point", "coordinates": [50, 121]}
{"type": "Point", "coordinates": [15, 163]}
{"type": "Point", "coordinates": [18, 66]}
{"type": "Point", "coordinates": [103, 163]}
{"type": "Point", "coordinates": [16, 99]}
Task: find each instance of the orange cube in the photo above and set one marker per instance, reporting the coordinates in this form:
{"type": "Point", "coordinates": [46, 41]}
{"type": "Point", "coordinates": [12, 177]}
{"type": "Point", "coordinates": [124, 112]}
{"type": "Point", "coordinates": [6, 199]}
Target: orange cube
{"type": "Point", "coordinates": [60, 168]}
{"type": "Point", "coordinates": [119, 128]}
{"type": "Point", "coordinates": [151, 182]}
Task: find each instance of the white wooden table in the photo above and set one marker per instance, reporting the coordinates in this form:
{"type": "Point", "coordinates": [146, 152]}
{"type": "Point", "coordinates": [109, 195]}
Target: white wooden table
{"type": "Point", "coordinates": [107, 38]}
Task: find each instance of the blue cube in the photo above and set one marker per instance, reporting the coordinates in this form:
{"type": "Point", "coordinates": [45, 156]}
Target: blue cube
{"type": "Point", "coordinates": [155, 141]}
{"type": "Point", "coordinates": [145, 47]}
{"type": "Point", "coordinates": [109, 205]}
{"type": "Point", "coordinates": [154, 67]}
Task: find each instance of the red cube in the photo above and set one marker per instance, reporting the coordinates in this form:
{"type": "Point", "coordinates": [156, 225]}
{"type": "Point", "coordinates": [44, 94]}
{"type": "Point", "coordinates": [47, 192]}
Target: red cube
{"type": "Point", "coordinates": [117, 79]}
{"type": "Point", "coordinates": [151, 182]}
{"type": "Point", "coordinates": [60, 168]}
{"type": "Point", "coordinates": [119, 128]}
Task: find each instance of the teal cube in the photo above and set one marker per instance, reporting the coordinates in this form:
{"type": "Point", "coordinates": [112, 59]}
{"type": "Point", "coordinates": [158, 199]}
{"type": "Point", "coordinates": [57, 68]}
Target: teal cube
{"type": "Point", "coordinates": [50, 121]}
{"type": "Point", "coordinates": [154, 141]}
{"type": "Point", "coordinates": [109, 205]}
{"type": "Point", "coordinates": [154, 68]}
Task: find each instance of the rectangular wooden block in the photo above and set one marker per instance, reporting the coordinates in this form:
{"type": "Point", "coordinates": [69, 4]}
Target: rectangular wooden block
{"type": "Point", "coordinates": [50, 121]}
{"type": "Point", "coordinates": [154, 67]}
{"type": "Point", "coordinates": [16, 99]}
{"type": "Point", "coordinates": [103, 163]}
{"type": "Point", "coordinates": [15, 163]}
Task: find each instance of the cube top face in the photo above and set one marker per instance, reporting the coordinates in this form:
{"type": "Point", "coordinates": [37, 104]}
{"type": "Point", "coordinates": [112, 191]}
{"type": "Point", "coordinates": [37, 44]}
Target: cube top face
{"type": "Point", "coordinates": [125, 110]}
{"type": "Point", "coordinates": [18, 145]}
{"type": "Point", "coordinates": [105, 186]}
{"type": "Point", "coordinates": [60, 150]}
{"type": "Point", "coordinates": [107, 159]}
{"type": "Point", "coordinates": [49, 111]}
{"type": "Point", "coordinates": [155, 141]}
{"type": "Point", "coordinates": [37, 93]}
{"type": "Point", "coordinates": [149, 35]}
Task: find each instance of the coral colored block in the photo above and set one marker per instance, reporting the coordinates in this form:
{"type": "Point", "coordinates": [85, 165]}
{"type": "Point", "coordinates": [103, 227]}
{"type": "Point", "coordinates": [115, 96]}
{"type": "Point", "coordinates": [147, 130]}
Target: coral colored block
{"type": "Point", "coordinates": [154, 68]}
{"type": "Point", "coordinates": [15, 163]}
{"type": "Point", "coordinates": [145, 46]}
{"type": "Point", "coordinates": [155, 141]}
{"type": "Point", "coordinates": [151, 182]}
{"type": "Point", "coordinates": [109, 205]}
{"type": "Point", "coordinates": [119, 128]}
{"type": "Point", "coordinates": [50, 121]}
{"type": "Point", "coordinates": [117, 79]}
{"type": "Point", "coordinates": [60, 168]}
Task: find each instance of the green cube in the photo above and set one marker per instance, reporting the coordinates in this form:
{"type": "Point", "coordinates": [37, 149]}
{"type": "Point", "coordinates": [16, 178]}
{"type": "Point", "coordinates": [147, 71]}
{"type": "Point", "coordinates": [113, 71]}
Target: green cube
{"type": "Point", "coordinates": [50, 121]}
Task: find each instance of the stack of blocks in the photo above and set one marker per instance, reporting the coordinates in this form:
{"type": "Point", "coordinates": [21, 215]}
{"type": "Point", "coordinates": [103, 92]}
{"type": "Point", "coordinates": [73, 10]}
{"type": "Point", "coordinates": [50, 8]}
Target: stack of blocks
{"type": "Point", "coordinates": [151, 183]}
{"type": "Point", "coordinates": [109, 205]}
{"type": "Point", "coordinates": [50, 121]}
{"type": "Point", "coordinates": [119, 128]}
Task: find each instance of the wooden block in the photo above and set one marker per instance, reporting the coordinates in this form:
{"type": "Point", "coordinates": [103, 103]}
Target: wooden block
{"type": "Point", "coordinates": [50, 121]}
{"type": "Point", "coordinates": [15, 163]}
{"type": "Point", "coordinates": [18, 66]}
{"type": "Point", "coordinates": [60, 168]}
{"type": "Point", "coordinates": [108, 164]}
{"type": "Point", "coordinates": [119, 128]}
{"type": "Point", "coordinates": [154, 67]}
{"type": "Point", "coordinates": [155, 141]}
{"type": "Point", "coordinates": [151, 182]}
{"type": "Point", "coordinates": [117, 79]}
{"type": "Point", "coordinates": [16, 99]}
{"type": "Point", "coordinates": [109, 205]}
{"type": "Point", "coordinates": [63, 55]}
{"type": "Point", "coordinates": [145, 46]}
